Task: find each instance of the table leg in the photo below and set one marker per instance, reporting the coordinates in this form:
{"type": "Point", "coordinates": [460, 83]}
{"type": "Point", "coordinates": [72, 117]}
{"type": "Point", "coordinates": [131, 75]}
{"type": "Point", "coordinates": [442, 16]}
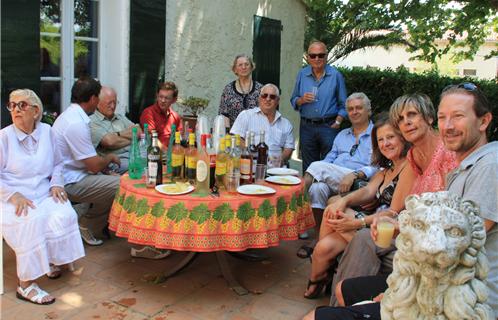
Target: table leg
{"type": "Point", "coordinates": [184, 262]}
{"type": "Point", "coordinates": [227, 274]}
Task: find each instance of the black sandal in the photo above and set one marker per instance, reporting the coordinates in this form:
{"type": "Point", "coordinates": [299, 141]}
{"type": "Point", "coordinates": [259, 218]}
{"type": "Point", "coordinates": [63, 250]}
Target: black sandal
{"type": "Point", "coordinates": [319, 287]}
{"type": "Point", "coordinates": [304, 252]}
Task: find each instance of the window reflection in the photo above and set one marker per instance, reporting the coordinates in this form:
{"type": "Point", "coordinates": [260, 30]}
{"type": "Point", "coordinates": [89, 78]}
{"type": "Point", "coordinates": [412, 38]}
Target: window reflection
{"type": "Point", "coordinates": [85, 58]}
{"type": "Point", "coordinates": [86, 18]}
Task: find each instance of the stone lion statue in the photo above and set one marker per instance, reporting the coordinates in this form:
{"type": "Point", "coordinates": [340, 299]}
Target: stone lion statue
{"type": "Point", "coordinates": [440, 268]}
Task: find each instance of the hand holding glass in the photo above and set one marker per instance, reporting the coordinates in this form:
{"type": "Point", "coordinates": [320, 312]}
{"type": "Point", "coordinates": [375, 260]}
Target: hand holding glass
{"type": "Point", "coordinates": [385, 232]}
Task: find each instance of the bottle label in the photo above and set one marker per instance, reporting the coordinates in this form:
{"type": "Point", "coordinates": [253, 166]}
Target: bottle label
{"type": "Point", "coordinates": [212, 160]}
{"type": "Point", "coordinates": [221, 168]}
{"type": "Point", "coordinates": [152, 172]}
{"type": "Point", "coordinates": [245, 166]}
{"type": "Point", "coordinates": [153, 157]}
{"type": "Point", "coordinates": [191, 162]}
{"type": "Point", "coordinates": [177, 160]}
{"type": "Point", "coordinates": [202, 170]}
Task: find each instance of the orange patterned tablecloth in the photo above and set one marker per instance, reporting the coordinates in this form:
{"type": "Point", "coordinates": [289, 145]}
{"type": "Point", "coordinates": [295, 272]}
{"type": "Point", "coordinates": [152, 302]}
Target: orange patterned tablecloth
{"type": "Point", "coordinates": [195, 222]}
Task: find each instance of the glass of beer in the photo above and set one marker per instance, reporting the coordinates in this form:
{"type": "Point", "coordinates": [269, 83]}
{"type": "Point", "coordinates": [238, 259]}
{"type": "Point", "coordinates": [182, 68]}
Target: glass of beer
{"type": "Point", "coordinates": [385, 232]}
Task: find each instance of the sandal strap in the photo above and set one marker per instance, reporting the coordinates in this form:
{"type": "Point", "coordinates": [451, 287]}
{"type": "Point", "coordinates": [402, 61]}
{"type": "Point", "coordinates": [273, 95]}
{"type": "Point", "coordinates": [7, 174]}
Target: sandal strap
{"type": "Point", "coordinates": [38, 297]}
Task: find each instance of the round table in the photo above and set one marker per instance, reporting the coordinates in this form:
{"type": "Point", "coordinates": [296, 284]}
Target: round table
{"type": "Point", "coordinates": [205, 222]}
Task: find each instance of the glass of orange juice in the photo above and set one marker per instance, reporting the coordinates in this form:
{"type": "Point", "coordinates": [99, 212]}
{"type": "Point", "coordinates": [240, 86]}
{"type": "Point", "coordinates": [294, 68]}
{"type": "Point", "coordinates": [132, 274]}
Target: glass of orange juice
{"type": "Point", "coordinates": [385, 232]}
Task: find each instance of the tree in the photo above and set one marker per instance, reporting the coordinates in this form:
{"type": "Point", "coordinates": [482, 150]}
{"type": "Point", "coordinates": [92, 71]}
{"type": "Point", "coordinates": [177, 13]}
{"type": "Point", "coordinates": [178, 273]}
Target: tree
{"type": "Point", "coordinates": [345, 26]}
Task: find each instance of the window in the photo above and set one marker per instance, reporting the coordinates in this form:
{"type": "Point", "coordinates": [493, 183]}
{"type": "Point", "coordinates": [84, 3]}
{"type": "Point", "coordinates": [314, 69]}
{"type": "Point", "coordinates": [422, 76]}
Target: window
{"type": "Point", "coordinates": [69, 42]}
{"type": "Point", "coordinates": [470, 72]}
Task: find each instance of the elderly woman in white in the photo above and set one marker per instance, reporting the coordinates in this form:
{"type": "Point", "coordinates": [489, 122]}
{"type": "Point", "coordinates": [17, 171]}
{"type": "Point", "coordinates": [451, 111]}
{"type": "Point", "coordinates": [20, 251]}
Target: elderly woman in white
{"type": "Point", "coordinates": [38, 222]}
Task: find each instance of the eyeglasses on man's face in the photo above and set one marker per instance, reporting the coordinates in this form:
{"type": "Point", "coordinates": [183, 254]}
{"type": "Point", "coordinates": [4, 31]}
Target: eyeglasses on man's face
{"type": "Point", "coordinates": [165, 98]}
{"type": "Point", "coordinates": [316, 55]}
{"type": "Point", "coordinates": [268, 95]}
{"type": "Point", "coordinates": [21, 105]}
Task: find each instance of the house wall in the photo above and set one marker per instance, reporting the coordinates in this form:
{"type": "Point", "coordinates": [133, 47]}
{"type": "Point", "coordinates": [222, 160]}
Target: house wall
{"type": "Point", "coordinates": [397, 56]}
{"type": "Point", "coordinates": [203, 37]}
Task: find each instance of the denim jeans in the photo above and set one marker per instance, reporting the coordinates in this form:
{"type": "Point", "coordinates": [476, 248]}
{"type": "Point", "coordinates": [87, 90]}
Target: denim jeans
{"type": "Point", "coordinates": [315, 141]}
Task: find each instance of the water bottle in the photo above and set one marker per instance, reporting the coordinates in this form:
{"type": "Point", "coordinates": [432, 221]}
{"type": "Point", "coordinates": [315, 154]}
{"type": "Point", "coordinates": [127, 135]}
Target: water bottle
{"type": "Point", "coordinates": [142, 147]}
{"type": "Point", "coordinates": [135, 165]}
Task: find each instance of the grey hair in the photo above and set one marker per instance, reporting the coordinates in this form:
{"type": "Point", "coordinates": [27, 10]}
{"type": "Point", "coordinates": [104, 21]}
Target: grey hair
{"type": "Point", "coordinates": [271, 85]}
{"type": "Point", "coordinates": [243, 55]}
{"type": "Point", "coordinates": [31, 98]}
{"type": "Point", "coordinates": [420, 101]}
{"type": "Point", "coordinates": [360, 95]}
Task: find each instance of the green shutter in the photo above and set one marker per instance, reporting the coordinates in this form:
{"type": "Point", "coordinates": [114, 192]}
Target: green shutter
{"type": "Point", "coordinates": [147, 51]}
{"type": "Point", "coordinates": [266, 50]}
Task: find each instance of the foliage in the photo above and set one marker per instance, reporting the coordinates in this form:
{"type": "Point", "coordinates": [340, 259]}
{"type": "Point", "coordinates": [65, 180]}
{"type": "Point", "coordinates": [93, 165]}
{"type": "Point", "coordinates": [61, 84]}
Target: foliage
{"type": "Point", "coordinates": [158, 209]}
{"type": "Point", "coordinates": [281, 206]}
{"type": "Point", "coordinates": [130, 204]}
{"type": "Point", "coordinates": [346, 26]}
{"type": "Point", "coordinates": [245, 212]}
{"type": "Point", "coordinates": [194, 105]}
{"type": "Point", "coordinates": [223, 213]}
{"type": "Point", "coordinates": [49, 117]}
{"type": "Point", "coordinates": [200, 213]}
{"type": "Point", "coordinates": [266, 210]}
{"type": "Point", "coordinates": [177, 212]}
{"type": "Point", "coordinates": [384, 86]}
{"type": "Point", "coordinates": [142, 207]}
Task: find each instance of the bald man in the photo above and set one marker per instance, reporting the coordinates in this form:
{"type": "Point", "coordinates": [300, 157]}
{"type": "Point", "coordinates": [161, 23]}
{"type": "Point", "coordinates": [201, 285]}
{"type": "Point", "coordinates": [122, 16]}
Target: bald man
{"type": "Point", "coordinates": [111, 132]}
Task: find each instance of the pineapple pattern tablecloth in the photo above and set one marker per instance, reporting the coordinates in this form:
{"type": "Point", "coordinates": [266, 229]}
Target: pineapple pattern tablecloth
{"type": "Point", "coordinates": [195, 222]}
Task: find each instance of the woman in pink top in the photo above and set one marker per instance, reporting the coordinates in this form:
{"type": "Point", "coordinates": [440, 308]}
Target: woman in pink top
{"type": "Point", "coordinates": [429, 160]}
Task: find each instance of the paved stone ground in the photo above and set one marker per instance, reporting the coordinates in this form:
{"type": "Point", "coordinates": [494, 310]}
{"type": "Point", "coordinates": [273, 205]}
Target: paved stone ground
{"type": "Point", "coordinates": [109, 284]}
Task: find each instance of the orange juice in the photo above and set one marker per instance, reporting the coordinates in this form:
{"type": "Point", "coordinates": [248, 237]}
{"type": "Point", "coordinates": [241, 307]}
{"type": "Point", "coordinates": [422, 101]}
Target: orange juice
{"type": "Point", "coordinates": [385, 232]}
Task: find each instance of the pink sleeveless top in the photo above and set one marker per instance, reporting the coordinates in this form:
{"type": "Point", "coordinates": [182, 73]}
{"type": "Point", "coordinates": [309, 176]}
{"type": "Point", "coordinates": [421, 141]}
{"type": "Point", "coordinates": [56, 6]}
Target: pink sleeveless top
{"type": "Point", "coordinates": [433, 178]}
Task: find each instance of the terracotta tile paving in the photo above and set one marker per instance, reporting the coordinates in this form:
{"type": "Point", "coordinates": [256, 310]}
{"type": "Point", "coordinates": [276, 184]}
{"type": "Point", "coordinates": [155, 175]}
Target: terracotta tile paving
{"type": "Point", "coordinates": [109, 284]}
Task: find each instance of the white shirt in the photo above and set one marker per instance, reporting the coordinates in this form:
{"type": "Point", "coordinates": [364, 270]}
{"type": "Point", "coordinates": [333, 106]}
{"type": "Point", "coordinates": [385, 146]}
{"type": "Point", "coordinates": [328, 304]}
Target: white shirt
{"type": "Point", "coordinates": [72, 131]}
{"type": "Point", "coordinates": [29, 164]}
{"type": "Point", "coordinates": [278, 134]}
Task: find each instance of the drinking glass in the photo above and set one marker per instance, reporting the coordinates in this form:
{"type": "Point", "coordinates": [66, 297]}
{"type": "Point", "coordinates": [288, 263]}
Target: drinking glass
{"type": "Point", "coordinates": [274, 158]}
{"type": "Point", "coordinates": [260, 173]}
{"type": "Point", "coordinates": [233, 182]}
{"type": "Point", "coordinates": [385, 232]}
{"type": "Point", "coordinates": [314, 90]}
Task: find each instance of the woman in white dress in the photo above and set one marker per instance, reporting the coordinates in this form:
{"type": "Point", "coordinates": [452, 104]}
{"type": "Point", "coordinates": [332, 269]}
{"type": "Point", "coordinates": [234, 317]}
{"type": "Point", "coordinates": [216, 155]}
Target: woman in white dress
{"type": "Point", "coordinates": [37, 221]}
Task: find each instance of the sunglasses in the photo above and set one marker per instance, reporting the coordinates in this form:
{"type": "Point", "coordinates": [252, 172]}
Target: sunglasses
{"type": "Point", "coordinates": [21, 105]}
{"type": "Point", "coordinates": [316, 55]}
{"type": "Point", "coordinates": [353, 149]}
{"type": "Point", "coordinates": [469, 86]}
{"type": "Point", "coordinates": [267, 95]}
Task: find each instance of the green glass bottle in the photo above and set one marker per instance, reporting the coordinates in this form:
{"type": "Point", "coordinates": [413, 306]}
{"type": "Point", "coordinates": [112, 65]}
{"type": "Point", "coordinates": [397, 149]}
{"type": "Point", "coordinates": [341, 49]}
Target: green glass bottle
{"type": "Point", "coordinates": [135, 163]}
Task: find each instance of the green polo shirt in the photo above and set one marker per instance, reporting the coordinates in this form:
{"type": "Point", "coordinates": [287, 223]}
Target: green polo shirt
{"type": "Point", "coordinates": [100, 126]}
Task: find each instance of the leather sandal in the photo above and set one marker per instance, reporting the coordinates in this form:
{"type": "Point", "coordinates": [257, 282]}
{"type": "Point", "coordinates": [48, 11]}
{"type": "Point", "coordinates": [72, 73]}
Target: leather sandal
{"type": "Point", "coordinates": [55, 272]}
{"type": "Point", "coordinates": [304, 252]}
{"type": "Point", "coordinates": [319, 287]}
{"type": "Point", "coordinates": [37, 298]}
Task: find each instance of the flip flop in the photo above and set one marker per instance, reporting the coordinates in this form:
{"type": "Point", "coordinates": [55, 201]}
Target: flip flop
{"type": "Point", "coordinates": [304, 252]}
{"type": "Point", "coordinates": [23, 294]}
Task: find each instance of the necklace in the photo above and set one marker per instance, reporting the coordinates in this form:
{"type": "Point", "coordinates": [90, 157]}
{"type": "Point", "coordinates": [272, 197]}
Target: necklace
{"type": "Point", "coordinates": [244, 91]}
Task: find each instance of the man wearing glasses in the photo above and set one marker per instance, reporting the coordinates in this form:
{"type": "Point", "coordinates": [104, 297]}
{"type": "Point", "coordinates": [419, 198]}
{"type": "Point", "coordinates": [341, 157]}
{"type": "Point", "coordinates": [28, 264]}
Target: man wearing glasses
{"type": "Point", "coordinates": [348, 160]}
{"type": "Point", "coordinates": [278, 130]}
{"type": "Point", "coordinates": [319, 96]}
{"type": "Point", "coordinates": [160, 116]}
{"type": "Point", "coordinates": [111, 132]}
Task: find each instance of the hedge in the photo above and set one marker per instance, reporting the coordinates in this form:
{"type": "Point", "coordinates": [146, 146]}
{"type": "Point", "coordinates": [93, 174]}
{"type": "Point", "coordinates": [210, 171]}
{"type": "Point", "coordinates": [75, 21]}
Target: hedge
{"type": "Point", "coordinates": [384, 86]}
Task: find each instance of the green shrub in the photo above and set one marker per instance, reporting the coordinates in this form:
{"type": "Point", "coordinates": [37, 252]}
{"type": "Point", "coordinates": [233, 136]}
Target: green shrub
{"type": "Point", "coordinates": [384, 86]}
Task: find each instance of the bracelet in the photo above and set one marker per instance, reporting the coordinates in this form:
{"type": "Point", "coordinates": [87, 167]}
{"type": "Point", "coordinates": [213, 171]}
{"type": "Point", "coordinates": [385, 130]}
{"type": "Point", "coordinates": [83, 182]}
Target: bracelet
{"type": "Point", "coordinates": [394, 212]}
{"type": "Point", "coordinates": [337, 123]}
{"type": "Point", "coordinates": [363, 222]}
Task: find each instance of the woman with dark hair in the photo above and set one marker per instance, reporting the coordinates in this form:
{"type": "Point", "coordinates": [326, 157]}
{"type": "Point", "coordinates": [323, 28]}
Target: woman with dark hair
{"type": "Point", "coordinates": [240, 94]}
{"type": "Point", "coordinates": [341, 221]}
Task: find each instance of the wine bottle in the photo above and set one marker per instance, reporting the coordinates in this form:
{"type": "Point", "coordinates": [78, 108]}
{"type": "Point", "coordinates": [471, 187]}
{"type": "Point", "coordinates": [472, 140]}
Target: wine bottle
{"type": "Point", "coordinates": [254, 152]}
{"type": "Point", "coordinates": [191, 159]}
{"type": "Point", "coordinates": [154, 163]}
{"type": "Point", "coordinates": [246, 171]}
{"type": "Point", "coordinates": [135, 164]}
{"type": "Point", "coordinates": [262, 149]}
{"type": "Point", "coordinates": [221, 165]}
{"type": "Point", "coordinates": [202, 167]}
{"type": "Point", "coordinates": [177, 159]}
{"type": "Point", "coordinates": [212, 160]}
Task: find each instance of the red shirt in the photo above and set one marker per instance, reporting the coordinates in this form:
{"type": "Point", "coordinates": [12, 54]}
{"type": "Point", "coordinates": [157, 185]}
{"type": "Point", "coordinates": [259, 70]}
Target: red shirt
{"type": "Point", "coordinates": [161, 122]}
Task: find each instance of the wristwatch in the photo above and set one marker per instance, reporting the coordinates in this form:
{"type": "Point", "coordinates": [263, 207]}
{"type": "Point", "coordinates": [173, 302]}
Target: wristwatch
{"type": "Point", "coordinates": [363, 222]}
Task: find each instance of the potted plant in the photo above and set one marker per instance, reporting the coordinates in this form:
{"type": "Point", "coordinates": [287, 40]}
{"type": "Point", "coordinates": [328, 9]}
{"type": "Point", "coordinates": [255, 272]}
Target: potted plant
{"type": "Point", "coordinates": [192, 107]}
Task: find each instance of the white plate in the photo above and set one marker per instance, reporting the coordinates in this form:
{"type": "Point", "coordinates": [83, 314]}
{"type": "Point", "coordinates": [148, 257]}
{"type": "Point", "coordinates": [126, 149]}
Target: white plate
{"type": "Point", "coordinates": [163, 188]}
{"type": "Point", "coordinates": [282, 172]}
{"type": "Point", "coordinates": [287, 180]}
{"type": "Point", "coordinates": [255, 189]}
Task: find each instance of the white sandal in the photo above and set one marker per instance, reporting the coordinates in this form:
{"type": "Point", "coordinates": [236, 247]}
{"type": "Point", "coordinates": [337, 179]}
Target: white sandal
{"type": "Point", "coordinates": [56, 271]}
{"type": "Point", "coordinates": [37, 298]}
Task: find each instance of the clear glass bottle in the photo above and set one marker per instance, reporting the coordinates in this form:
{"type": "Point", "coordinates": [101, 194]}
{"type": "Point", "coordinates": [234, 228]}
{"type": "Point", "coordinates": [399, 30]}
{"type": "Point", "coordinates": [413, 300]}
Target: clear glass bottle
{"type": "Point", "coordinates": [202, 167]}
{"type": "Point", "coordinates": [142, 147]}
{"type": "Point", "coordinates": [246, 172]}
{"type": "Point", "coordinates": [221, 165]}
{"type": "Point", "coordinates": [154, 163]}
{"type": "Point", "coordinates": [234, 159]}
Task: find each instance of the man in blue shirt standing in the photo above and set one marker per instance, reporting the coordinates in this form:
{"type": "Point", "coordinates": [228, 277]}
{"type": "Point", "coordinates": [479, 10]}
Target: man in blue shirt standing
{"type": "Point", "coordinates": [348, 160]}
{"type": "Point", "coordinates": [319, 95]}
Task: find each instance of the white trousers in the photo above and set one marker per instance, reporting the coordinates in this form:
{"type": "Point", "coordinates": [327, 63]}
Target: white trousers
{"type": "Point", "coordinates": [47, 234]}
{"type": "Point", "coordinates": [328, 176]}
